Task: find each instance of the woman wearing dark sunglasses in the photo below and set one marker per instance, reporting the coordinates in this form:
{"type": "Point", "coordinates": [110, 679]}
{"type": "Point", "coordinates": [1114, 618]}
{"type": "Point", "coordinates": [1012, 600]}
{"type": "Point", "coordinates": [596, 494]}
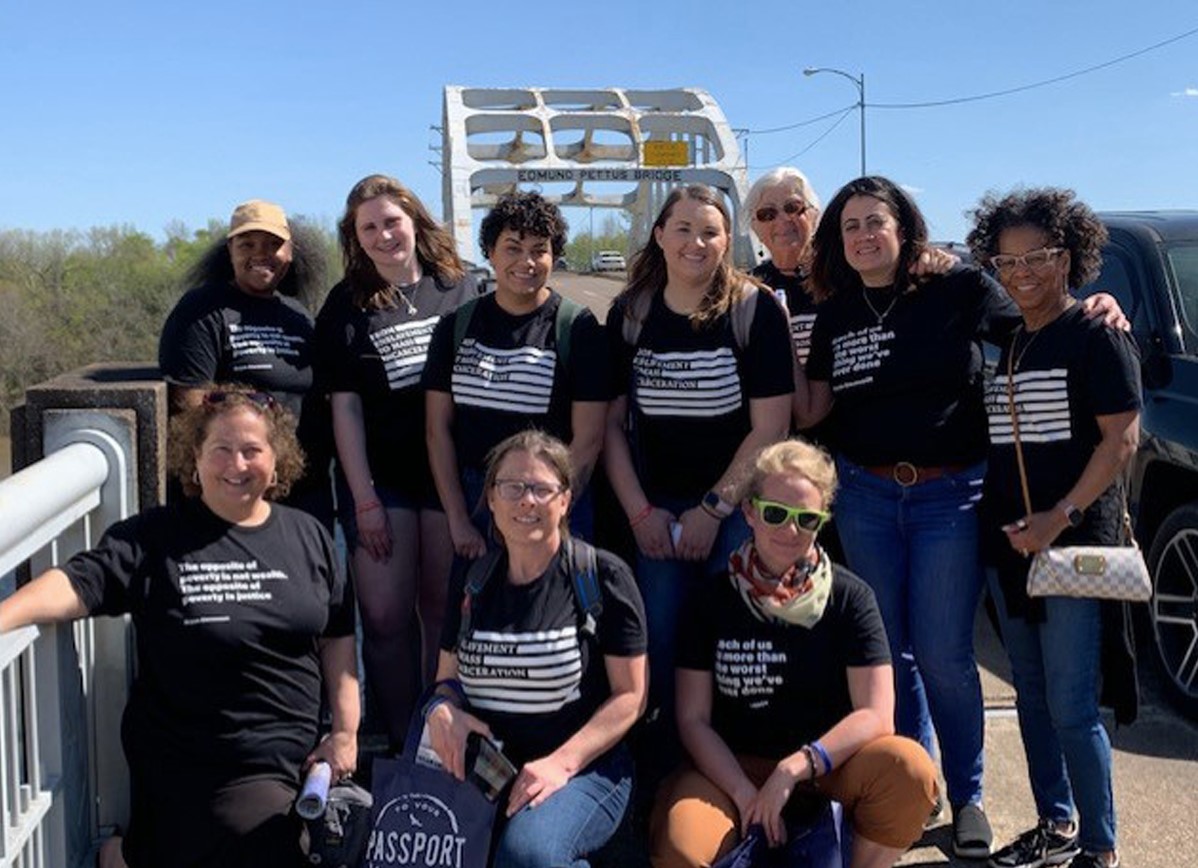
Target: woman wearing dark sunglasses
{"type": "Point", "coordinates": [785, 689]}
{"type": "Point", "coordinates": [241, 614]}
{"type": "Point", "coordinates": [550, 664]}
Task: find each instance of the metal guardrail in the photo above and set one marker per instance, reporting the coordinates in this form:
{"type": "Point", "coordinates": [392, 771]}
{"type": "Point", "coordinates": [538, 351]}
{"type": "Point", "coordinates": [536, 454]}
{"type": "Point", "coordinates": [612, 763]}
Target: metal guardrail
{"type": "Point", "coordinates": [53, 723]}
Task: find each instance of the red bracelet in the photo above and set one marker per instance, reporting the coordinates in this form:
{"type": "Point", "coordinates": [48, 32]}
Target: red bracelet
{"type": "Point", "coordinates": [368, 506]}
{"type": "Point", "coordinates": [641, 516]}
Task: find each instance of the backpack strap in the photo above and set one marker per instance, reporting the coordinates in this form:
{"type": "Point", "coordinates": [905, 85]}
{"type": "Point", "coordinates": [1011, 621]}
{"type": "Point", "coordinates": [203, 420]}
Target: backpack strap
{"type": "Point", "coordinates": [567, 312]}
{"type": "Point", "coordinates": [634, 317]}
{"type": "Point", "coordinates": [477, 575]}
{"type": "Point", "coordinates": [461, 322]}
{"type": "Point", "coordinates": [584, 574]}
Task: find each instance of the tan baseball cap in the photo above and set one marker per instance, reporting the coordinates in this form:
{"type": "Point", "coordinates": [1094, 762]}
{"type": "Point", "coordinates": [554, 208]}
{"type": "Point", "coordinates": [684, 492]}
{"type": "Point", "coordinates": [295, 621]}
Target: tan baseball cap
{"type": "Point", "coordinates": [258, 214]}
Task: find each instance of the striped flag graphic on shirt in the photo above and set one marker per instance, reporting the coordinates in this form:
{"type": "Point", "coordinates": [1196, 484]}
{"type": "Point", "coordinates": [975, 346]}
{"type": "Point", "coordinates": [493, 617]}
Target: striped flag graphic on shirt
{"type": "Point", "coordinates": [1042, 405]}
{"type": "Point", "coordinates": [516, 381]}
{"type": "Point", "coordinates": [698, 383]}
{"type": "Point", "coordinates": [521, 673]}
{"type": "Point", "coordinates": [800, 334]}
{"type": "Point", "coordinates": [404, 348]}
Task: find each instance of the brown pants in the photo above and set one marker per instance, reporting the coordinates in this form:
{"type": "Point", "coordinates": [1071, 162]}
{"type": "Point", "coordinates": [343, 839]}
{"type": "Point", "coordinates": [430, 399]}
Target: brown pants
{"type": "Point", "coordinates": [888, 788]}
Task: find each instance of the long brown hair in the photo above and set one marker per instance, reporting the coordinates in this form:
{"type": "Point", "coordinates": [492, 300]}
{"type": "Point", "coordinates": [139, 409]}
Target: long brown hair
{"type": "Point", "coordinates": [435, 248]}
{"type": "Point", "coordinates": [648, 274]}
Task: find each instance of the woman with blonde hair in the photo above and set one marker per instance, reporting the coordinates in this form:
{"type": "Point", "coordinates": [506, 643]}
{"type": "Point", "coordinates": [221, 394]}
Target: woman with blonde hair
{"type": "Point", "coordinates": [402, 274]}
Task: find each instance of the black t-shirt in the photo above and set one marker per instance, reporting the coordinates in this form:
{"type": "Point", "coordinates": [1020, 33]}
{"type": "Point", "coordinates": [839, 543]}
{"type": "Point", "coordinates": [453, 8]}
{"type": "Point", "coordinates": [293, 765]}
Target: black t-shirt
{"type": "Point", "coordinates": [228, 619]}
{"type": "Point", "coordinates": [1069, 372]}
{"type": "Point", "coordinates": [526, 669]}
{"type": "Point", "coordinates": [795, 294]}
{"type": "Point", "coordinates": [380, 355]}
{"type": "Point", "coordinates": [220, 334]}
{"type": "Point", "coordinates": [689, 391]}
{"type": "Point", "coordinates": [778, 686]}
{"type": "Point", "coordinates": [909, 388]}
{"type": "Point", "coordinates": [507, 377]}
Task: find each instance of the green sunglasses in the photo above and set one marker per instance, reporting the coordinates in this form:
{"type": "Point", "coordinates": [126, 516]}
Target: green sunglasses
{"type": "Point", "coordinates": [777, 514]}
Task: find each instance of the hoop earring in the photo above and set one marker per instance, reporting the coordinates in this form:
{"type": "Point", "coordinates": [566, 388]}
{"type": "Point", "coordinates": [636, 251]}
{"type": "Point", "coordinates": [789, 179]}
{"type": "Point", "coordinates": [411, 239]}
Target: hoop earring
{"type": "Point", "coordinates": [195, 476]}
{"type": "Point", "coordinates": [274, 480]}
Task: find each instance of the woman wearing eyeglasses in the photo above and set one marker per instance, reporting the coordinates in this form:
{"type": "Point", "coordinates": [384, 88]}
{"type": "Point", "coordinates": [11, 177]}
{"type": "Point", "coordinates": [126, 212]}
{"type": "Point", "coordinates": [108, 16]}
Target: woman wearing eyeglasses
{"type": "Point", "coordinates": [241, 614]}
{"type": "Point", "coordinates": [1075, 387]}
{"type": "Point", "coordinates": [550, 663]}
{"type": "Point", "coordinates": [785, 689]}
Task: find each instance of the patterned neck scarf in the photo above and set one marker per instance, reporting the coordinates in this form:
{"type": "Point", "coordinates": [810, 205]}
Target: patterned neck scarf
{"type": "Point", "coordinates": [797, 597]}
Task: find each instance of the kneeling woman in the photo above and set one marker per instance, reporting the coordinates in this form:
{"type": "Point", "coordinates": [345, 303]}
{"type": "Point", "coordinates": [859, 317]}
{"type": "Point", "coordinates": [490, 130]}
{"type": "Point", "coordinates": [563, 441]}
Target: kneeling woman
{"type": "Point", "coordinates": [785, 686]}
{"type": "Point", "coordinates": [562, 725]}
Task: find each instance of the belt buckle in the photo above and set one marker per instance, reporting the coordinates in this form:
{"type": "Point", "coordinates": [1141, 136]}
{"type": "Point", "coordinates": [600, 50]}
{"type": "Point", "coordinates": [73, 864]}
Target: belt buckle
{"type": "Point", "coordinates": [906, 474]}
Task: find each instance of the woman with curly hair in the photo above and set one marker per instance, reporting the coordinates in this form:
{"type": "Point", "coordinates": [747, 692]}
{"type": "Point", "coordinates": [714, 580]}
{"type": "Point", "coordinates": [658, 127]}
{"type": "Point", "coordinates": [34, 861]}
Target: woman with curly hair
{"type": "Point", "coordinates": [1074, 389]}
{"type": "Point", "coordinates": [521, 357]}
{"type": "Point", "coordinates": [704, 380]}
{"type": "Point", "coordinates": [402, 274]}
{"type": "Point", "coordinates": [246, 321]}
{"type": "Point", "coordinates": [241, 613]}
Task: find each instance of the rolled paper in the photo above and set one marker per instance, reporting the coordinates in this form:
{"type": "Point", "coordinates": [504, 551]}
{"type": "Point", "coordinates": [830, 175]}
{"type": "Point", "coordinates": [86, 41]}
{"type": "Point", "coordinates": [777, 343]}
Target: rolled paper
{"type": "Point", "coordinates": [315, 793]}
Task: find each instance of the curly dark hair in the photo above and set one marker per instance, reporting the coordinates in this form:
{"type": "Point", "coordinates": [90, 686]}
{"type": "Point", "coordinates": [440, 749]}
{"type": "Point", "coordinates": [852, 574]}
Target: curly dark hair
{"type": "Point", "coordinates": [305, 280]}
{"type": "Point", "coordinates": [526, 214]}
{"type": "Point", "coordinates": [830, 271]}
{"type": "Point", "coordinates": [189, 430]}
{"type": "Point", "coordinates": [1068, 222]}
{"type": "Point", "coordinates": [435, 248]}
{"type": "Point", "coordinates": [647, 273]}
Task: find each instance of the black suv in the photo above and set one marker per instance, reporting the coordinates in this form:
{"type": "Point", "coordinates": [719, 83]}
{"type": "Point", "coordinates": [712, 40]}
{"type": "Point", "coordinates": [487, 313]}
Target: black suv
{"type": "Point", "coordinates": [1151, 266]}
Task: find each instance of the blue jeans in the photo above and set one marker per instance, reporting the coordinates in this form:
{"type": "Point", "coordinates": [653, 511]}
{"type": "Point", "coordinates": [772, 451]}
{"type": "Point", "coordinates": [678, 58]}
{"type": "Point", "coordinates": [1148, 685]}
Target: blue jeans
{"type": "Point", "coordinates": [1056, 667]}
{"type": "Point", "coordinates": [917, 547]}
{"type": "Point", "coordinates": [574, 822]}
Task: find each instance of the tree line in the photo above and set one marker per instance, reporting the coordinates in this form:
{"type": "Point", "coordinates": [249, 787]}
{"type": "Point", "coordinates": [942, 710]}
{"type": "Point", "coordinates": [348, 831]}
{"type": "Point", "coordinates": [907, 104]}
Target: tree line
{"type": "Point", "coordinates": [69, 298]}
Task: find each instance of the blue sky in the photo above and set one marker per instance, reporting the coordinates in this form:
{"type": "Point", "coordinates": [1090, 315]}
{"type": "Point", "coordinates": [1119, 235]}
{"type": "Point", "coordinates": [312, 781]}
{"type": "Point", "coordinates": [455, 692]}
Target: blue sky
{"type": "Point", "coordinates": [144, 113]}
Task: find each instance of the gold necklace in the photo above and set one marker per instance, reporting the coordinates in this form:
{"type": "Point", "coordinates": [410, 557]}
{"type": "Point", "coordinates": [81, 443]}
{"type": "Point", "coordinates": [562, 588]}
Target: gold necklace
{"type": "Point", "coordinates": [1020, 330]}
{"type": "Point", "coordinates": [881, 316]}
{"type": "Point", "coordinates": [411, 308]}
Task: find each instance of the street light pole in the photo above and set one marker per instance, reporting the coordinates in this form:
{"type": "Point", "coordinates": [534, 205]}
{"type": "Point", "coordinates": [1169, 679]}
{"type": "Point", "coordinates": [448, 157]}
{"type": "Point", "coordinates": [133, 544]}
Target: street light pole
{"type": "Point", "coordinates": [859, 82]}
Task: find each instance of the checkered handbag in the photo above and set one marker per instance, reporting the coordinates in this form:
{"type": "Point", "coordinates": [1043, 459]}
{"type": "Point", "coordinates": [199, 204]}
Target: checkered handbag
{"type": "Point", "coordinates": [1091, 572]}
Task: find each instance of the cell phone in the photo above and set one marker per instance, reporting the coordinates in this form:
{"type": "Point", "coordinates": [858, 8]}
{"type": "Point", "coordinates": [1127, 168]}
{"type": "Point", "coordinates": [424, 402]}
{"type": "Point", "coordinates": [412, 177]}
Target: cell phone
{"type": "Point", "coordinates": [489, 769]}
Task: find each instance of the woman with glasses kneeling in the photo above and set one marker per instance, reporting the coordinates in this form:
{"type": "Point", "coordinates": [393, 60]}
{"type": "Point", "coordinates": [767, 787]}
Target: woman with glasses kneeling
{"type": "Point", "coordinates": [785, 688]}
{"type": "Point", "coordinates": [240, 610]}
{"type": "Point", "coordinates": [571, 619]}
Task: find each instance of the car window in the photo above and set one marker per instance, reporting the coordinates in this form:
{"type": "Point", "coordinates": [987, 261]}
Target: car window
{"type": "Point", "coordinates": [1183, 263]}
{"type": "Point", "coordinates": [1118, 279]}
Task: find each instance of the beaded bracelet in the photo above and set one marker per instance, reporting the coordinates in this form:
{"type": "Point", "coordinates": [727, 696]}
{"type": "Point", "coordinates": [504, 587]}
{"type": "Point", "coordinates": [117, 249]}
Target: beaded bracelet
{"type": "Point", "coordinates": [823, 755]}
{"type": "Point", "coordinates": [641, 516]}
{"type": "Point", "coordinates": [810, 754]}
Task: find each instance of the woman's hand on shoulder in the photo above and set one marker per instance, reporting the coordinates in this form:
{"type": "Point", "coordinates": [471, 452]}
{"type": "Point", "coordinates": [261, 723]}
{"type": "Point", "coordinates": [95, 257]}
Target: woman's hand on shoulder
{"type": "Point", "coordinates": [934, 261]}
{"type": "Point", "coordinates": [340, 751]}
{"type": "Point", "coordinates": [699, 530]}
{"type": "Point", "coordinates": [766, 808]}
{"type": "Point", "coordinates": [467, 541]}
{"type": "Point", "coordinates": [448, 728]}
{"type": "Point", "coordinates": [1104, 306]}
{"type": "Point", "coordinates": [536, 782]}
{"type": "Point", "coordinates": [653, 534]}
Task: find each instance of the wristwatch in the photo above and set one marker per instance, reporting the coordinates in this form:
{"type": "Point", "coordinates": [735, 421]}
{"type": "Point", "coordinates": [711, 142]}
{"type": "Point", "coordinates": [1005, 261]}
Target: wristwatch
{"type": "Point", "coordinates": [1074, 515]}
{"type": "Point", "coordinates": [716, 505]}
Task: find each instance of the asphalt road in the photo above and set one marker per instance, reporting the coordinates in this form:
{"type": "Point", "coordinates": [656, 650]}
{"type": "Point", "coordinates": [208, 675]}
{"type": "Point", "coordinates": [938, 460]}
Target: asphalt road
{"type": "Point", "coordinates": [1155, 760]}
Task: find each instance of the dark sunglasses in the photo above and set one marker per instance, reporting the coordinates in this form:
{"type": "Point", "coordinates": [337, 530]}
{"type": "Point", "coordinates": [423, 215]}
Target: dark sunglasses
{"type": "Point", "coordinates": [219, 396]}
{"type": "Point", "coordinates": [791, 208]}
{"type": "Point", "coordinates": [777, 514]}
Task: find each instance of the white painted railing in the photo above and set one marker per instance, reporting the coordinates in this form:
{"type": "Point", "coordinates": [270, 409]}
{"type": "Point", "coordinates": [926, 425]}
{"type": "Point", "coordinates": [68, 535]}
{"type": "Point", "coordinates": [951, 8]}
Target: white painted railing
{"type": "Point", "coordinates": [62, 688]}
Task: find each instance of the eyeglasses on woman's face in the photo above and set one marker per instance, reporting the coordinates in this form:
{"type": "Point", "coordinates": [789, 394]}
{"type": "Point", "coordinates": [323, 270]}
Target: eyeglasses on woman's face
{"type": "Point", "coordinates": [513, 490]}
{"type": "Point", "coordinates": [791, 208]}
{"type": "Point", "coordinates": [1036, 260]}
{"type": "Point", "coordinates": [778, 514]}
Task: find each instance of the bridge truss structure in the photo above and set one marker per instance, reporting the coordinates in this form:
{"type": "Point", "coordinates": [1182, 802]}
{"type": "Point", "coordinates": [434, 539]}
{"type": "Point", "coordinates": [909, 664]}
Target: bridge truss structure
{"type": "Point", "coordinates": [610, 148]}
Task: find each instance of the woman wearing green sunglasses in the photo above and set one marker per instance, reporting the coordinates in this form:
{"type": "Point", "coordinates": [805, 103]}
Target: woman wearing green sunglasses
{"type": "Point", "coordinates": [785, 689]}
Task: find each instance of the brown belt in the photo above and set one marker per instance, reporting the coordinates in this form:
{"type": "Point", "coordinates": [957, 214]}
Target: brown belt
{"type": "Point", "coordinates": [907, 474]}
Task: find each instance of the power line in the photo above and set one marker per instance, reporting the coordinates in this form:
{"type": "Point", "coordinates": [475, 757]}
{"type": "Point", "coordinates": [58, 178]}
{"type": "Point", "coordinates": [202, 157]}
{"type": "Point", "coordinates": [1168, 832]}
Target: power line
{"type": "Point", "coordinates": [1034, 85]}
{"type": "Point", "coordinates": [795, 126]}
{"type": "Point", "coordinates": [843, 114]}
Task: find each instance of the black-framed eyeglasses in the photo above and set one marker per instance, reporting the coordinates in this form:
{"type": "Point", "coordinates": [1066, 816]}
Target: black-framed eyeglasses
{"type": "Point", "coordinates": [1033, 259]}
{"type": "Point", "coordinates": [514, 489]}
{"type": "Point", "coordinates": [777, 514]}
{"type": "Point", "coordinates": [219, 396]}
{"type": "Point", "coordinates": [791, 208]}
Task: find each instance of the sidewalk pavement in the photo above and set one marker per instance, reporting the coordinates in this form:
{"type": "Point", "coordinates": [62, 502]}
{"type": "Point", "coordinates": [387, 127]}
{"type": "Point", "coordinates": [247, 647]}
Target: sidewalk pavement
{"type": "Point", "coordinates": [1156, 774]}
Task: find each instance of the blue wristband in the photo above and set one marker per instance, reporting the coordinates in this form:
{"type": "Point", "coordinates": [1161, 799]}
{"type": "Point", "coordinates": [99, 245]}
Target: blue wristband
{"type": "Point", "coordinates": [439, 699]}
{"type": "Point", "coordinates": [822, 752]}
{"type": "Point", "coordinates": [455, 686]}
